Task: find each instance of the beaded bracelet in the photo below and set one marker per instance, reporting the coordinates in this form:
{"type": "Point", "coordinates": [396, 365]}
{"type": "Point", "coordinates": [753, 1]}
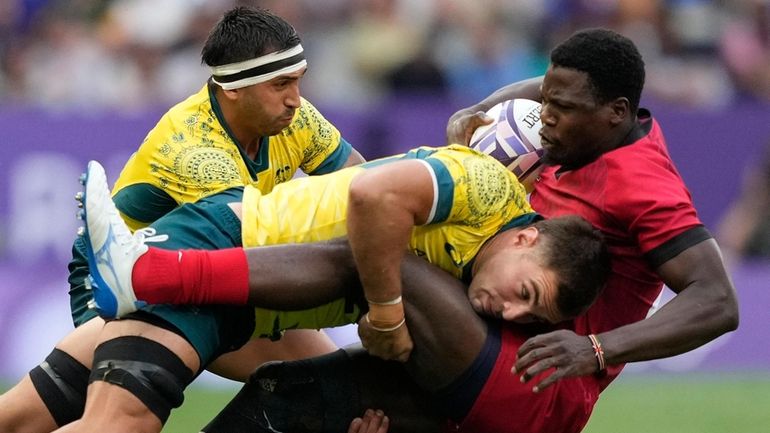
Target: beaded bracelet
{"type": "Point", "coordinates": [598, 351]}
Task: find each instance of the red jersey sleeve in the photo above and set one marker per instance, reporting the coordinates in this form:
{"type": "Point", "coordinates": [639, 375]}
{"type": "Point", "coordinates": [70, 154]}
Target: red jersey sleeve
{"type": "Point", "coordinates": [652, 201]}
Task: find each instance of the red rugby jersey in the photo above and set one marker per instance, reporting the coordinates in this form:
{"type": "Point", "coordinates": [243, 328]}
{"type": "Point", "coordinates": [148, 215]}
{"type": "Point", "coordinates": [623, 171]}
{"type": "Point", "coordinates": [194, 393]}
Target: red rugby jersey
{"type": "Point", "coordinates": [636, 197]}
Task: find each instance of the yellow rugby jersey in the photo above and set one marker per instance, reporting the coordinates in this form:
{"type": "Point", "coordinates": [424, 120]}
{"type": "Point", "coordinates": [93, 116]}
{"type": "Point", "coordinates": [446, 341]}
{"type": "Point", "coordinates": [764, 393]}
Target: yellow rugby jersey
{"type": "Point", "coordinates": [191, 154]}
{"type": "Point", "coordinates": [476, 198]}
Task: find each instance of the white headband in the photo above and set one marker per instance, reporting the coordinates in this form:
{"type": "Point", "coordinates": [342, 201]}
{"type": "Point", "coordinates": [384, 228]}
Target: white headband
{"type": "Point", "coordinates": [258, 70]}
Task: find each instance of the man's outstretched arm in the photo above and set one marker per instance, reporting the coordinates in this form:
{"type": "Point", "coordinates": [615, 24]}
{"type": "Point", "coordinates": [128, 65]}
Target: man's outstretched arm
{"type": "Point", "coordinates": [704, 308]}
{"type": "Point", "coordinates": [385, 204]}
{"type": "Point", "coordinates": [299, 276]}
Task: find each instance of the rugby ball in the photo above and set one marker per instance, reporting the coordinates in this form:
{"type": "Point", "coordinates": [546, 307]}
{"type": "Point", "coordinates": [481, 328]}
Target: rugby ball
{"type": "Point", "coordinates": [513, 138]}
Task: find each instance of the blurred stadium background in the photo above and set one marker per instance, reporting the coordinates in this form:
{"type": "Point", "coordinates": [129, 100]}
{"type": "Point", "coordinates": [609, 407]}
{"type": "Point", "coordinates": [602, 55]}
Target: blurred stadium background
{"type": "Point", "coordinates": [86, 79]}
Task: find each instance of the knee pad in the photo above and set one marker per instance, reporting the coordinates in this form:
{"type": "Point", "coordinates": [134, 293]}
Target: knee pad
{"type": "Point", "coordinates": [145, 368]}
{"type": "Point", "coordinates": [61, 381]}
{"type": "Point", "coordinates": [315, 395]}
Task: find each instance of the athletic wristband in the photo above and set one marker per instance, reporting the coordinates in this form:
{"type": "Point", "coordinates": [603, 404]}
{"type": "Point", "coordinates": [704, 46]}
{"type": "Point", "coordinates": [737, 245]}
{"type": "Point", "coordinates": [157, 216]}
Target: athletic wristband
{"type": "Point", "coordinates": [382, 329]}
{"type": "Point", "coordinates": [598, 351]}
{"type": "Point", "coordinates": [391, 302]}
{"type": "Point", "coordinates": [386, 315]}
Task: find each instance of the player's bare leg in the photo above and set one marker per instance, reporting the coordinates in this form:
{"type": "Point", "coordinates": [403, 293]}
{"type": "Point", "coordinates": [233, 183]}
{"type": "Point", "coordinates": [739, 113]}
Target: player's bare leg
{"type": "Point", "coordinates": [111, 408]}
{"type": "Point", "coordinates": [23, 410]}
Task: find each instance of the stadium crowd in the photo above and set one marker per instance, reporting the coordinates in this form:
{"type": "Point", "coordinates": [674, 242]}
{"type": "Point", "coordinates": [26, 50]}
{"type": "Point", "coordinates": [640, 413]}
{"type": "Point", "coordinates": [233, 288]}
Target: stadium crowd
{"type": "Point", "coordinates": [130, 54]}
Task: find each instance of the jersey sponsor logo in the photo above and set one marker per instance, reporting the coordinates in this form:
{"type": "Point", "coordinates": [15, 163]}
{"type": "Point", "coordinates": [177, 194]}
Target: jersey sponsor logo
{"type": "Point", "coordinates": [282, 174]}
{"type": "Point", "coordinates": [268, 384]}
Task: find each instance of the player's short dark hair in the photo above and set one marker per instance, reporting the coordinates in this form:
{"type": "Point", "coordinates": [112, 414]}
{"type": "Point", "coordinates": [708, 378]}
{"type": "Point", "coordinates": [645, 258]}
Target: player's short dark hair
{"type": "Point", "coordinates": [576, 251]}
{"type": "Point", "coordinates": [244, 33]}
{"type": "Point", "coordinates": [614, 66]}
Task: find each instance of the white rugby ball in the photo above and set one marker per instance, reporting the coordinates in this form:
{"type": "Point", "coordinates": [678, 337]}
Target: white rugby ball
{"type": "Point", "coordinates": [513, 138]}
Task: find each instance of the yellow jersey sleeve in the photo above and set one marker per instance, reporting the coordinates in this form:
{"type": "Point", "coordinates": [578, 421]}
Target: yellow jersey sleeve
{"type": "Point", "coordinates": [324, 149]}
{"type": "Point", "coordinates": [476, 197]}
{"type": "Point", "coordinates": [473, 189]}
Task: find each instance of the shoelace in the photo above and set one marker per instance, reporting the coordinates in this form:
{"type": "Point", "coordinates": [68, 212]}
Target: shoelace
{"type": "Point", "coordinates": [147, 234]}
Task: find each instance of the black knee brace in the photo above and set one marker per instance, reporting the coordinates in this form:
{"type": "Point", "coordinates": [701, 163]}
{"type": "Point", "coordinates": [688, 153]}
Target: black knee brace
{"type": "Point", "coordinates": [315, 395]}
{"type": "Point", "coordinates": [147, 369]}
{"type": "Point", "coordinates": [61, 381]}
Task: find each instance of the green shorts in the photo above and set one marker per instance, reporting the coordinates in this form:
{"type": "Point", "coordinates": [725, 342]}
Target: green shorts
{"type": "Point", "coordinates": [271, 323]}
{"type": "Point", "coordinates": [211, 330]}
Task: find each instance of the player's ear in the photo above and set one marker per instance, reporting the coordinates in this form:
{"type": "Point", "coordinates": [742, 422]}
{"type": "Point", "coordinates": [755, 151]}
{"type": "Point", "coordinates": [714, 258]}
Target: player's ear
{"type": "Point", "coordinates": [526, 237]}
{"type": "Point", "coordinates": [231, 94]}
{"type": "Point", "coordinates": [620, 109]}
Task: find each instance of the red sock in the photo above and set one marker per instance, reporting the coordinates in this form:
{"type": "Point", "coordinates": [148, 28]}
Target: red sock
{"type": "Point", "coordinates": [192, 277]}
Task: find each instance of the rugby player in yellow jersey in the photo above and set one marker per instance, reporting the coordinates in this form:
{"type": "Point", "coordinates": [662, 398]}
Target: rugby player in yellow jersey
{"type": "Point", "coordinates": [458, 209]}
{"type": "Point", "coordinates": [454, 207]}
{"type": "Point", "coordinates": [247, 126]}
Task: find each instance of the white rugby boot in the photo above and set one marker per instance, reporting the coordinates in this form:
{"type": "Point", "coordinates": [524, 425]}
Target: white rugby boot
{"type": "Point", "coordinates": [112, 249]}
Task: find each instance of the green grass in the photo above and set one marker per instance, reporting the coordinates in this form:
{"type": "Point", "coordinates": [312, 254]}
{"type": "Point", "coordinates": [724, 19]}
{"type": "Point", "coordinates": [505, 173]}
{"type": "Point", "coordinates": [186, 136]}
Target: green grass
{"type": "Point", "coordinates": [685, 404]}
{"type": "Point", "coordinates": [200, 406]}
{"type": "Point", "coordinates": [634, 404]}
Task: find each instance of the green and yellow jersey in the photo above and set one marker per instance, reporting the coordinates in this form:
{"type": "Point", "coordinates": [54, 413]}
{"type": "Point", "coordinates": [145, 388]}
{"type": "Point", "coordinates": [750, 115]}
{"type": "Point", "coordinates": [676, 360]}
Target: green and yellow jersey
{"type": "Point", "coordinates": [475, 198]}
{"type": "Point", "coordinates": [191, 154]}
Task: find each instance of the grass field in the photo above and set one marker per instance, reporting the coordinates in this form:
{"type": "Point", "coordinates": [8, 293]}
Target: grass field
{"type": "Point", "coordinates": [635, 404]}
